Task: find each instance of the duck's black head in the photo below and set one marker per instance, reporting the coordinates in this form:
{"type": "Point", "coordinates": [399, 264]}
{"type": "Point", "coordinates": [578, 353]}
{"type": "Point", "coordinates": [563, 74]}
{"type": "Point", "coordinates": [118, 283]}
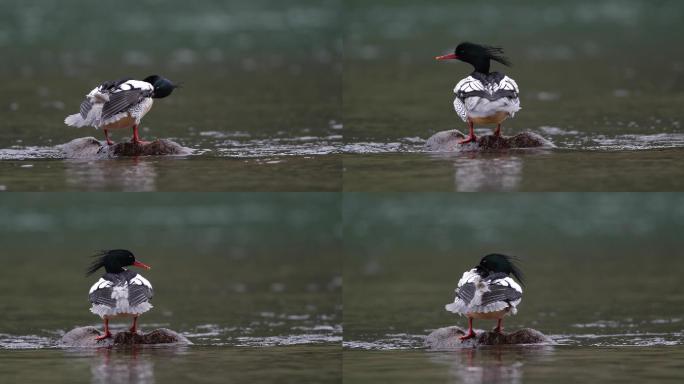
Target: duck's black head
{"type": "Point", "coordinates": [477, 55]}
{"type": "Point", "coordinates": [114, 261]}
{"type": "Point", "coordinates": [162, 86]}
{"type": "Point", "coordinates": [497, 263]}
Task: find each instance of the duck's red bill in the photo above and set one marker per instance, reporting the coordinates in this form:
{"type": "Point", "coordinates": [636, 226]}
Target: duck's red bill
{"type": "Point", "coordinates": [140, 265]}
{"type": "Point", "coordinates": [450, 56]}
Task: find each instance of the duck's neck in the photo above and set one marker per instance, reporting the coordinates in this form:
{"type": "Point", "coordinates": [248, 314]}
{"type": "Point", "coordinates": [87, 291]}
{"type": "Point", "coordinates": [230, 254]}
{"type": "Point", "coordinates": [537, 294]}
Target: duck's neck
{"type": "Point", "coordinates": [481, 65]}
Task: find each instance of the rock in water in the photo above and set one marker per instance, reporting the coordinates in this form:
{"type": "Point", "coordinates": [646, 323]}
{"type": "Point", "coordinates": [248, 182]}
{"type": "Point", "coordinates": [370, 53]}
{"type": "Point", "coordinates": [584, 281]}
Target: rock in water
{"type": "Point", "coordinates": [447, 141]}
{"type": "Point", "coordinates": [91, 148]}
{"type": "Point", "coordinates": [447, 338]}
{"type": "Point", "coordinates": [85, 337]}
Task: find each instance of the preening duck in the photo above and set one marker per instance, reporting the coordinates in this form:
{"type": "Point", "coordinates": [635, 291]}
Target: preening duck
{"type": "Point", "coordinates": [119, 292]}
{"type": "Point", "coordinates": [483, 97]}
{"type": "Point", "coordinates": [120, 104]}
{"type": "Point", "coordinates": [488, 291]}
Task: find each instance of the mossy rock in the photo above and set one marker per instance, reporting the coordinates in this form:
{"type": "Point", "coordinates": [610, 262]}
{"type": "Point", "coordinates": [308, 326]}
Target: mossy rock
{"type": "Point", "coordinates": [447, 141]}
{"type": "Point", "coordinates": [447, 338]}
{"type": "Point", "coordinates": [86, 337]}
{"type": "Point", "coordinates": [90, 147]}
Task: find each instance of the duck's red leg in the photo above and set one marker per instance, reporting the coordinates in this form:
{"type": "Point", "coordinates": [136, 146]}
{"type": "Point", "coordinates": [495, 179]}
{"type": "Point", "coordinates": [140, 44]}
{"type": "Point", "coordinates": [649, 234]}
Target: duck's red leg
{"type": "Point", "coordinates": [134, 326]}
{"type": "Point", "coordinates": [136, 136]}
{"type": "Point", "coordinates": [109, 141]}
{"type": "Point", "coordinates": [106, 331]}
{"type": "Point", "coordinates": [470, 333]}
{"type": "Point", "coordinates": [499, 328]}
{"type": "Point", "coordinates": [497, 132]}
{"type": "Point", "coordinates": [471, 134]}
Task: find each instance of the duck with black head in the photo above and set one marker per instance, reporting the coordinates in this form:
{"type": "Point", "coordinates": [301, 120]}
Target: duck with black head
{"type": "Point", "coordinates": [120, 104]}
{"type": "Point", "coordinates": [119, 292]}
{"type": "Point", "coordinates": [488, 291]}
{"type": "Point", "coordinates": [483, 97]}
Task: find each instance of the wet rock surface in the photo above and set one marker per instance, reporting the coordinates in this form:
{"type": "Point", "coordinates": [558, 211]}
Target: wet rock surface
{"type": "Point", "coordinates": [447, 338]}
{"type": "Point", "coordinates": [85, 337]}
{"type": "Point", "coordinates": [90, 147]}
{"type": "Point", "coordinates": [447, 141]}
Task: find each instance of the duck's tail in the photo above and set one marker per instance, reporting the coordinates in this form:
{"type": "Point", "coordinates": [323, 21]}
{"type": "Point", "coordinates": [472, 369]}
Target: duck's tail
{"type": "Point", "coordinates": [75, 120]}
{"type": "Point", "coordinates": [93, 118]}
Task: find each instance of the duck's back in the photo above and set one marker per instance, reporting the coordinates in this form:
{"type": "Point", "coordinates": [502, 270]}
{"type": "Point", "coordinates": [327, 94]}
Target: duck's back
{"type": "Point", "coordinates": [476, 294]}
{"type": "Point", "coordinates": [112, 101]}
{"type": "Point", "coordinates": [120, 293]}
{"type": "Point", "coordinates": [481, 95]}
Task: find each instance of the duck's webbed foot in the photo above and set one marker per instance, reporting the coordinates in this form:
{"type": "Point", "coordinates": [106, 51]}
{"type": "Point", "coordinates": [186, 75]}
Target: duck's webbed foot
{"type": "Point", "coordinates": [468, 139]}
{"type": "Point", "coordinates": [106, 335]}
{"type": "Point", "coordinates": [471, 134]}
{"type": "Point", "coordinates": [470, 333]}
{"type": "Point", "coordinates": [136, 137]}
{"type": "Point", "coordinates": [499, 327]}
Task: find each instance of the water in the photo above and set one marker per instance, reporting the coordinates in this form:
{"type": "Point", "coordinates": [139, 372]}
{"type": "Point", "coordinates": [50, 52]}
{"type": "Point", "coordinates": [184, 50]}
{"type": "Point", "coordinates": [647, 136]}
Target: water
{"type": "Point", "coordinates": [598, 85]}
{"type": "Point", "coordinates": [293, 97]}
{"type": "Point", "coordinates": [163, 365]}
{"type": "Point", "coordinates": [517, 365]}
{"type": "Point", "coordinates": [603, 276]}
{"type": "Point", "coordinates": [250, 279]}
{"type": "Point", "coordinates": [259, 105]}
{"type": "Point", "coordinates": [519, 170]}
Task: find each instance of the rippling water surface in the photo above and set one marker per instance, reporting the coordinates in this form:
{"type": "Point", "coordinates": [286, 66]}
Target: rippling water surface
{"type": "Point", "coordinates": [261, 92]}
{"type": "Point", "coordinates": [602, 281]}
{"type": "Point", "coordinates": [614, 115]}
{"type": "Point", "coordinates": [250, 279]}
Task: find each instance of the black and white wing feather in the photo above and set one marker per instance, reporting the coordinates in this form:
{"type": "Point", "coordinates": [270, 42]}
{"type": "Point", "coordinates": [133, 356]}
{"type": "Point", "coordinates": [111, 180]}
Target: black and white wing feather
{"type": "Point", "coordinates": [101, 293]}
{"type": "Point", "coordinates": [482, 95]}
{"type": "Point", "coordinates": [126, 293]}
{"type": "Point", "coordinates": [139, 291]}
{"type": "Point", "coordinates": [107, 101]}
{"type": "Point", "coordinates": [122, 101]}
{"type": "Point", "coordinates": [481, 295]}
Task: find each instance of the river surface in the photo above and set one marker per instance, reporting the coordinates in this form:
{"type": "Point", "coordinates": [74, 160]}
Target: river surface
{"type": "Point", "coordinates": [252, 280]}
{"type": "Point", "coordinates": [597, 78]}
{"type": "Point", "coordinates": [259, 104]}
{"type": "Point", "coordinates": [603, 281]}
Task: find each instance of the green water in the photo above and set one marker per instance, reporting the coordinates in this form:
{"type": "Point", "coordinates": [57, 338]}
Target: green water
{"type": "Point", "coordinates": [170, 365]}
{"type": "Point", "coordinates": [603, 281]}
{"type": "Point", "coordinates": [520, 170]}
{"type": "Point", "coordinates": [597, 77]}
{"type": "Point", "coordinates": [251, 279]}
{"type": "Point", "coordinates": [260, 86]}
{"type": "Point", "coordinates": [289, 173]}
{"type": "Point", "coordinates": [517, 365]}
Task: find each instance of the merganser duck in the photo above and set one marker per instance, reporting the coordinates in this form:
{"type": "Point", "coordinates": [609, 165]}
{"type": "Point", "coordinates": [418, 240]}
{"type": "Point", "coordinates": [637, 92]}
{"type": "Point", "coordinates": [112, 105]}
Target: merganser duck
{"type": "Point", "coordinates": [488, 292]}
{"type": "Point", "coordinates": [483, 97]}
{"type": "Point", "coordinates": [119, 292]}
{"type": "Point", "coordinates": [120, 104]}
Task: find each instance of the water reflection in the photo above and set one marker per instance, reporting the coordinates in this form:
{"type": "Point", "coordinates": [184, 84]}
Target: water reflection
{"type": "Point", "coordinates": [475, 173]}
{"type": "Point", "coordinates": [490, 365]}
{"type": "Point", "coordinates": [121, 366]}
{"type": "Point", "coordinates": [132, 175]}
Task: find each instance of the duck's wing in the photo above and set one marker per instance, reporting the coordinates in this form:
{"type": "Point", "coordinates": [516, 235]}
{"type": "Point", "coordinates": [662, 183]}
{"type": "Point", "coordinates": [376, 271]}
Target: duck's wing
{"type": "Point", "coordinates": [86, 106]}
{"type": "Point", "coordinates": [501, 290]}
{"type": "Point", "coordinates": [509, 84]}
{"type": "Point", "coordinates": [460, 108]}
{"type": "Point", "coordinates": [101, 293]}
{"type": "Point", "coordinates": [139, 290]}
{"type": "Point", "coordinates": [466, 86]}
{"type": "Point", "coordinates": [466, 292]}
{"type": "Point", "coordinates": [123, 100]}
{"type": "Point", "coordinates": [492, 88]}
